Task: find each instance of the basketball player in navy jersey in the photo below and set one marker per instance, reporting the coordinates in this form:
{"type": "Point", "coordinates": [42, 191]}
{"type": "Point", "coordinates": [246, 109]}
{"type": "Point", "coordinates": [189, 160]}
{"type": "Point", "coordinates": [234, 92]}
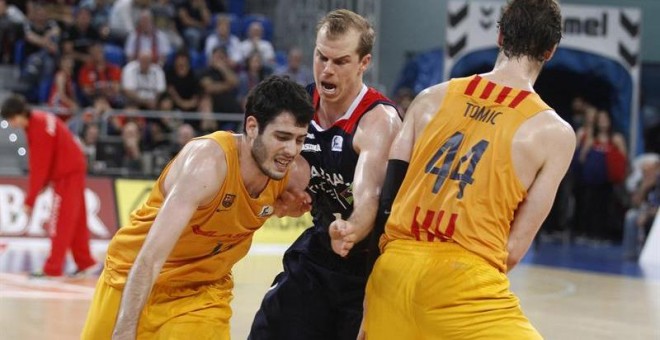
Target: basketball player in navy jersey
{"type": "Point", "coordinates": [320, 294]}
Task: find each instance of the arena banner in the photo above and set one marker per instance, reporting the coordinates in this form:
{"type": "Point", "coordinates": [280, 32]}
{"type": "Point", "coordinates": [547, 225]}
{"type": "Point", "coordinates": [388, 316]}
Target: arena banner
{"type": "Point", "coordinates": [24, 244]}
{"type": "Point", "coordinates": [132, 193]}
{"type": "Point", "coordinates": [601, 35]}
{"type": "Point", "coordinates": [99, 200]}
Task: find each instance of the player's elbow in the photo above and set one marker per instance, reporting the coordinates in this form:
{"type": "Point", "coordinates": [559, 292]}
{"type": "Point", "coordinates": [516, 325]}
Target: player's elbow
{"type": "Point", "coordinates": [512, 261]}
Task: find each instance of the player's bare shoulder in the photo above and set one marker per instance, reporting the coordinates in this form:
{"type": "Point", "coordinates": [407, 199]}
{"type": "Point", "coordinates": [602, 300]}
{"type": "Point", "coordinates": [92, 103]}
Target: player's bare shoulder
{"type": "Point", "coordinates": [553, 128]}
{"type": "Point", "coordinates": [380, 114]}
{"type": "Point", "coordinates": [202, 161]}
{"type": "Point", "coordinates": [426, 104]}
{"type": "Point", "coordinates": [378, 126]}
{"type": "Point", "coordinates": [544, 138]}
{"type": "Point", "coordinates": [202, 150]}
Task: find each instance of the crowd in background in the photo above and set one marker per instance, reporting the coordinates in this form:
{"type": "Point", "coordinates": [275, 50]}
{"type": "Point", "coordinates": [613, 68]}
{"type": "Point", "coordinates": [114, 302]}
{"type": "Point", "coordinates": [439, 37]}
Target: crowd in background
{"type": "Point", "coordinates": [606, 197]}
{"type": "Point", "coordinates": [98, 63]}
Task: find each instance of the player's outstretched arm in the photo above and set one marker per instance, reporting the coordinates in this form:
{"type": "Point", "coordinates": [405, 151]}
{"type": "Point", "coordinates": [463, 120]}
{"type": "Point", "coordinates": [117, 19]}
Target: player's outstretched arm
{"type": "Point", "coordinates": [193, 180]}
{"type": "Point", "coordinates": [372, 140]}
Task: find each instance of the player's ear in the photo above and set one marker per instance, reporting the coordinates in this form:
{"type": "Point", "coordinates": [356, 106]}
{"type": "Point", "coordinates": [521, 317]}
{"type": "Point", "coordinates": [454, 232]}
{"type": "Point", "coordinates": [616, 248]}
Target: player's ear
{"type": "Point", "coordinates": [364, 63]}
{"type": "Point", "coordinates": [251, 127]}
{"type": "Point", "coordinates": [548, 54]}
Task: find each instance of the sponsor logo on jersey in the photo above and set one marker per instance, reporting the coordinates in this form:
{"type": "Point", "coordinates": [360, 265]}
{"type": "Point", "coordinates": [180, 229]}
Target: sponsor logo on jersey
{"type": "Point", "coordinates": [337, 142]}
{"type": "Point", "coordinates": [311, 136]}
{"type": "Point", "coordinates": [228, 200]}
{"type": "Point", "coordinates": [266, 210]}
{"type": "Point", "coordinates": [311, 148]}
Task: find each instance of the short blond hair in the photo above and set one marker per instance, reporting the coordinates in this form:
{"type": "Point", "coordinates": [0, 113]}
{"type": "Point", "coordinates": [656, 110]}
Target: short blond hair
{"type": "Point", "coordinates": [339, 22]}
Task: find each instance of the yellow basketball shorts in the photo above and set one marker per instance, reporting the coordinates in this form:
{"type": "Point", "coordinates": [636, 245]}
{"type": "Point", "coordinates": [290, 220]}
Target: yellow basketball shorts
{"type": "Point", "coordinates": [200, 312]}
{"type": "Point", "coordinates": [424, 290]}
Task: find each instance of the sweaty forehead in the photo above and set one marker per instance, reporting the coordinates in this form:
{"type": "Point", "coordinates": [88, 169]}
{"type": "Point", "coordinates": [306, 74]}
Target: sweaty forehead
{"type": "Point", "coordinates": [338, 45]}
{"type": "Point", "coordinates": [285, 122]}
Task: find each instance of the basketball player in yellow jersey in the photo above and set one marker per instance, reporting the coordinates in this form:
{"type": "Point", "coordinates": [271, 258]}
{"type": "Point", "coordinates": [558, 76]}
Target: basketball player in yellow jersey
{"type": "Point", "coordinates": [167, 275]}
{"type": "Point", "coordinates": [482, 158]}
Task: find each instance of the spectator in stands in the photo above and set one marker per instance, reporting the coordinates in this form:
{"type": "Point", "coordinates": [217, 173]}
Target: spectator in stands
{"type": "Point", "coordinates": [645, 201]}
{"type": "Point", "coordinates": [77, 38]}
{"type": "Point", "coordinates": [164, 14]}
{"type": "Point", "coordinates": [100, 10]}
{"type": "Point", "coordinates": [143, 81]}
{"type": "Point", "coordinates": [56, 160]}
{"type": "Point", "coordinates": [100, 78]}
{"type": "Point", "coordinates": [253, 73]}
{"type": "Point", "coordinates": [89, 140]}
{"type": "Point", "coordinates": [184, 134]}
{"type": "Point", "coordinates": [193, 19]}
{"type": "Point", "coordinates": [90, 115]}
{"type": "Point", "coordinates": [59, 10]}
{"type": "Point", "coordinates": [602, 164]}
{"type": "Point", "coordinates": [220, 84]}
{"type": "Point", "coordinates": [223, 38]}
{"type": "Point", "coordinates": [11, 21]}
{"type": "Point", "coordinates": [132, 151]}
{"type": "Point", "coordinates": [166, 106]}
{"type": "Point", "coordinates": [578, 107]}
{"type": "Point", "coordinates": [123, 16]}
{"type": "Point", "coordinates": [254, 43]}
{"type": "Point", "coordinates": [146, 38]}
{"type": "Point", "coordinates": [62, 94]}
{"type": "Point", "coordinates": [182, 85]}
{"type": "Point", "coordinates": [208, 124]}
{"type": "Point", "coordinates": [295, 68]}
{"type": "Point", "coordinates": [41, 45]}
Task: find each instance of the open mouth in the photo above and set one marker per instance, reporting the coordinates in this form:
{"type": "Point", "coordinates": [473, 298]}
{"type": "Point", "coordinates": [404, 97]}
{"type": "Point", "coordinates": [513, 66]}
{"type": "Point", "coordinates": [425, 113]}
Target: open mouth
{"type": "Point", "coordinates": [328, 88]}
{"type": "Point", "coordinates": [282, 164]}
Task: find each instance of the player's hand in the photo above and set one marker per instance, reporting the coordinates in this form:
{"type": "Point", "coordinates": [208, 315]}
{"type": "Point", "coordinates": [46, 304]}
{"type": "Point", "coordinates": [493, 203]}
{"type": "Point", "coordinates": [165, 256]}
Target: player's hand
{"type": "Point", "coordinates": [293, 203]}
{"type": "Point", "coordinates": [342, 236]}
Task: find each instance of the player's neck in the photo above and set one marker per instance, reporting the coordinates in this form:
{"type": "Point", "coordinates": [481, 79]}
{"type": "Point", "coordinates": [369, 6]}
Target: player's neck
{"type": "Point", "coordinates": [253, 178]}
{"type": "Point", "coordinates": [515, 72]}
{"type": "Point", "coordinates": [330, 112]}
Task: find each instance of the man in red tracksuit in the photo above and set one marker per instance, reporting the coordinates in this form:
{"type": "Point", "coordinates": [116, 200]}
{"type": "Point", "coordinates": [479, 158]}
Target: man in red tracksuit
{"type": "Point", "coordinates": [55, 158]}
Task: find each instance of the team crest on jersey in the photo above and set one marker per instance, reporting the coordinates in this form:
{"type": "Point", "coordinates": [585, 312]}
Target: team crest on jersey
{"type": "Point", "coordinates": [337, 142]}
{"type": "Point", "coordinates": [266, 210]}
{"type": "Point", "coordinates": [228, 200]}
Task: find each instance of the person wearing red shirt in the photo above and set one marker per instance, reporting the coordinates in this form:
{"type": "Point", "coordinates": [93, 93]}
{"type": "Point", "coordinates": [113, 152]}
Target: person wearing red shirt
{"type": "Point", "coordinates": [56, 158]}
{"type": "Point", "coordinates": [100, 78]}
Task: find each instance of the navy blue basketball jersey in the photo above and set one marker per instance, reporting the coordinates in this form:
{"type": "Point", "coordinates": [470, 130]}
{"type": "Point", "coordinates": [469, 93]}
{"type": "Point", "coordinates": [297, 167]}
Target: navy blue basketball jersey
{"type": "Point", "coordinates": [332, 158]}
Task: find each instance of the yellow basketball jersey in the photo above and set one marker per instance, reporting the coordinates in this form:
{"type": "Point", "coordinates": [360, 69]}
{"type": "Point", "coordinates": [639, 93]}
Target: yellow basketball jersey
{"type": "Point", "coordinates": [217, 236]}
{"type": "Point", "coordinates": [461, 185]}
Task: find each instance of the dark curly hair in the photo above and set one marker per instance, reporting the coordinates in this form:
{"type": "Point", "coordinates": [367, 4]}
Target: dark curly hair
{"type": "Point", "coordinates": [277, 94]}
{"type": "Point", "coordinates": [530, 28]}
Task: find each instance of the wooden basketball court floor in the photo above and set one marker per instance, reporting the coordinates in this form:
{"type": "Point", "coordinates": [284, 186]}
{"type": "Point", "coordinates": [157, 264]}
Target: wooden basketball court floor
{"type": "Point", "coordinates": [562, 304]}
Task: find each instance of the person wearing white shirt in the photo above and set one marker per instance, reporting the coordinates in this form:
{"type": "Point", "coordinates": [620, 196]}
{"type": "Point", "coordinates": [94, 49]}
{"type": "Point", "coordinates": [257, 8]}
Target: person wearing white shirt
{"type": "Point", "coordinates": [147, 38]}
{"type": "Point", "coordinates": [224, 39]}
{"type": "Point", "coordinates": [256, 43]}
{"type": "Point", "coordinates": [143, 82]}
